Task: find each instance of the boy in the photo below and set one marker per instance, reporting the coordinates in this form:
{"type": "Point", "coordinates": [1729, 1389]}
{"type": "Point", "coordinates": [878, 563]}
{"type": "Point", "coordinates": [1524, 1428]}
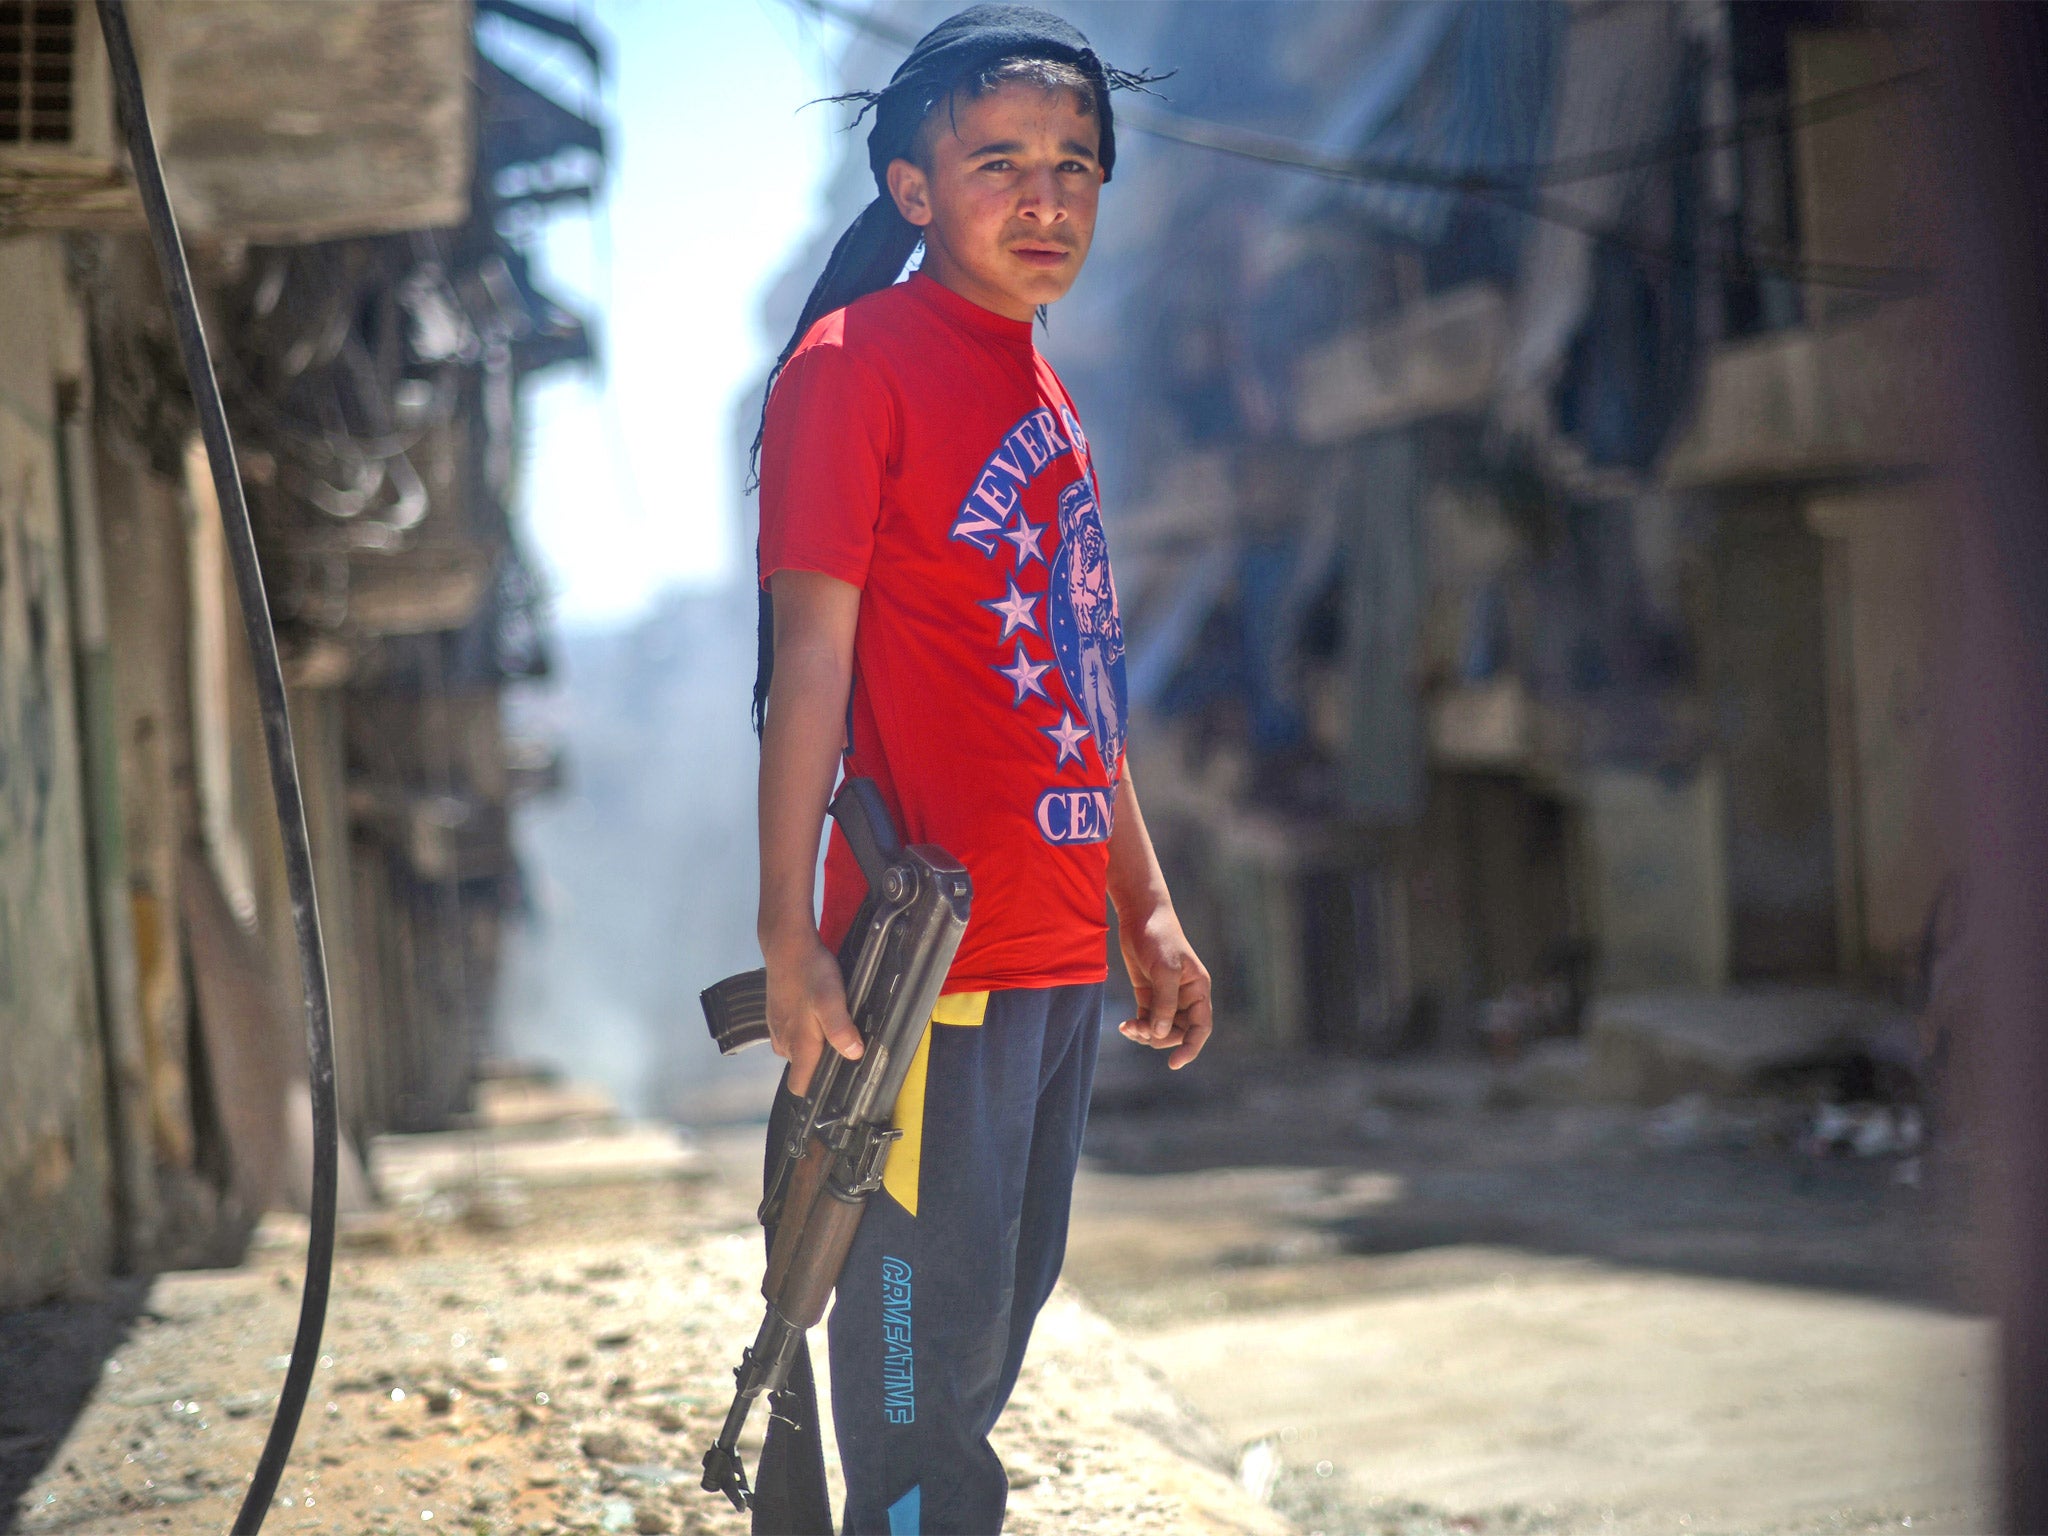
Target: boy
{"type": "Point", "coordinates": [940, 616]}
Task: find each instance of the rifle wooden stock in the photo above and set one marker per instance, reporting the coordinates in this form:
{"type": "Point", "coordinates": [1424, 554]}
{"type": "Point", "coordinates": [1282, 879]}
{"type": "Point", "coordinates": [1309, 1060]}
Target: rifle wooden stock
{"type": "Point", "coordinates": [814, 1264]}
{"type": "Point", "coordinates": [805, 1183]}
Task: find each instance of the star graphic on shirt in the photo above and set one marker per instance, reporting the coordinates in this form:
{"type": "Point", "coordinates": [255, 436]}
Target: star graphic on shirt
{"type": "Point", "coordinates": [1025, 674]}
{"type": "Point", "coordinates": [1026, 536]}
{"type": "Point", "coordinates": [1068, 736]}
{"type": "Point", "coordinates": [1017, 610]}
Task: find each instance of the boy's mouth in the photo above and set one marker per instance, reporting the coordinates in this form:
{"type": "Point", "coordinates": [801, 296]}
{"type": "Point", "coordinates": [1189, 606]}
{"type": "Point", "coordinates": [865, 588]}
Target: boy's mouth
{"type": "Point", "coordinates": [1041, 255]}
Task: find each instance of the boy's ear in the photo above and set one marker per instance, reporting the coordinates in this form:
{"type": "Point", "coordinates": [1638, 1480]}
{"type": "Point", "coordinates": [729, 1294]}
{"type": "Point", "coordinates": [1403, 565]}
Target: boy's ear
{"type": "Point", "coordinates": [911, 189]}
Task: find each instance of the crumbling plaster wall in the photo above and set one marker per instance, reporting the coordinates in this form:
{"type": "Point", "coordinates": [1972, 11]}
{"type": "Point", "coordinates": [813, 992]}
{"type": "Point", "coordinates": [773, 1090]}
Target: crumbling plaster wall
{"type": "Point", "coordinates": [287, 120]}
{"type": "Point", "coordinates": [55, 1173]}
{"type": "Point", "coordinates": [144, 522]}
{"type": "Point", "coordinates": [1883, 549]}
{"type": "Point", "coordinates": [1766, 670]}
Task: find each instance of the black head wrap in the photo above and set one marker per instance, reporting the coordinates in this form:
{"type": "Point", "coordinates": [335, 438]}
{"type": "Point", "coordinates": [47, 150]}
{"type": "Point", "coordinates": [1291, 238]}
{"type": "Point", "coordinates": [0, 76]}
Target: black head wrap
{"type": "Point", "coordinates": [877, 244]}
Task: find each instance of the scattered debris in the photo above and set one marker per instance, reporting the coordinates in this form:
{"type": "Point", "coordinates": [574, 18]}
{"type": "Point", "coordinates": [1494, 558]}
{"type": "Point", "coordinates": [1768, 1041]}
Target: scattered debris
{"type": "Point", "coordinates": [565, 1382]}
{"type": "Point", "coordinates": [1648, 1048]}
{"type": "Point", "coordinates": [1258, 1470]}
{"type": "Point", "coordinates": [1867, 1130]}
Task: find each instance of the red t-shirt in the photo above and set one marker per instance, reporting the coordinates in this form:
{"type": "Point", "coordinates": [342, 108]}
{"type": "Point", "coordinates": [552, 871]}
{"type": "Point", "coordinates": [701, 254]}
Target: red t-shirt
{"type": "Point", "coordinates": [921, 449]}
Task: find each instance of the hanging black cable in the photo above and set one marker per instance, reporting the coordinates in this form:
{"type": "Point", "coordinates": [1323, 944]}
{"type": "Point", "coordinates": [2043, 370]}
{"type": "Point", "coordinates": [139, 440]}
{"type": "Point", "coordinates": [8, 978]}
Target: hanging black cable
{"type": "Point", "coordinates": [277, 738]}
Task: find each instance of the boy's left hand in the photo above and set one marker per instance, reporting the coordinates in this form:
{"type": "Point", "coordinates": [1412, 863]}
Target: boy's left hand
{"type": "Point", "coordinates": [1172, 987]}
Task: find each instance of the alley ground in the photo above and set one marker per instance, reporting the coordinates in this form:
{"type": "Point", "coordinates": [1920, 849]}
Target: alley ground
{"type": "Point", "coordinates": [1388, 1299]}
{"type": "Point", "coordinates": [1417, 1297]}
{"type": "Point", "coordinates": [558, 1366]}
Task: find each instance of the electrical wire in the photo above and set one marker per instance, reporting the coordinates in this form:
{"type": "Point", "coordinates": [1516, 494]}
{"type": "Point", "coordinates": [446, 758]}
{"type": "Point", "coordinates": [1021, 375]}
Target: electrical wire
{"type": "Point", "coordinates": [1687, 142]}
{"type": "Point", "coordinates": [1249, 144]}
{"type": "Point", "coordinates": [1270, 149]}
{"type": "Point", "coordinates": [277, 739]}
{"type": "Point", "coordinates": [1517, 188]}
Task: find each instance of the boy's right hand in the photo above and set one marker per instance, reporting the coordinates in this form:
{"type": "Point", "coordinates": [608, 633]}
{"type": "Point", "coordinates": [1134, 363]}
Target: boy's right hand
{"type": "Point", "coordinates": [807, 1009]}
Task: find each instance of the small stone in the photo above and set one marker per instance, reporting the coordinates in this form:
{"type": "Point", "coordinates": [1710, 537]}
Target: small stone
{"type": "Point", "coordinates": [542, 1475]}
{"type": "Point", "coordinates": [651, 1521]}
{"type": "Point", "coordinates": [654, 1472]}
{"type": "Point", "coordinates": [606, 1445]}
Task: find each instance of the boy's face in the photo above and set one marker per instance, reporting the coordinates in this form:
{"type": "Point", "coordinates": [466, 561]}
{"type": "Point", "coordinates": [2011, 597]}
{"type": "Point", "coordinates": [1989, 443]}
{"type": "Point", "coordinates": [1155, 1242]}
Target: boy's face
{"type": "Point", "coordinates": [1008, 205]}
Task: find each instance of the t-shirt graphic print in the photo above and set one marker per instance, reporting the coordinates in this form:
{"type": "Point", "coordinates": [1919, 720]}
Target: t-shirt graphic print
{"type": "Point", "coordinates": [919, 448]}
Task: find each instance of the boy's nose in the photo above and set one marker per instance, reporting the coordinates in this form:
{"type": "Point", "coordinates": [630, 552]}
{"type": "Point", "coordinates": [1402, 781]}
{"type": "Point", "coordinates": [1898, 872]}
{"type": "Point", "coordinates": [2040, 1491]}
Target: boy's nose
{"type": "Point", "coordinates": [1042, 199]}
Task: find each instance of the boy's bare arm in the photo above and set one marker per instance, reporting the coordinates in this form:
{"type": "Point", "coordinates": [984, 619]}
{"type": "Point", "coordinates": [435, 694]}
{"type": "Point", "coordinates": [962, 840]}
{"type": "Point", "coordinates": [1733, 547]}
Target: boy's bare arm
{"type": "Point", "coordinates": [801, 739]}
{"type": "Point", "coordinates": [1171, 983]}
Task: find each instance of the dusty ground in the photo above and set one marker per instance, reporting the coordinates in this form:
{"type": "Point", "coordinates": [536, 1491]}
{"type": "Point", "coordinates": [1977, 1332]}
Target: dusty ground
{"type": "Point", "coordinates": [1420, 1303]}
{"type": "Point", "coordinates": [1401, 1301]}
{"type": "Point", "coordinates": [561, 1377]}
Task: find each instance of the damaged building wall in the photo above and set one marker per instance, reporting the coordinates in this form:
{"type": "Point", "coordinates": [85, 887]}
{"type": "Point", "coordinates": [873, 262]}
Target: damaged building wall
{"type": "Point", "coordinates": [1766, 676]}
{"type": "Point", "coordinates": [1895, 855]}
{"type": "Point", "coordinates": [149, 985]}
{"type": "Point", "coordinates": [56, 1150]}
{"type": "Point", "coordinates": [144, 527]}
{"type": "Point", "coordinates": [284, 120]}
{"type": "Point", "coordinates": [1831, 430]}
{"type": "Point", "coordinates": [276, 119]}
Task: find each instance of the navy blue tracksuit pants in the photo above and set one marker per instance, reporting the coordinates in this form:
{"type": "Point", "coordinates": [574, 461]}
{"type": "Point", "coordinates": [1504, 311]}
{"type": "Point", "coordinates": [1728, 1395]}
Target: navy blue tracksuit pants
{"type": "Point", "coordinates": [955, 1255]}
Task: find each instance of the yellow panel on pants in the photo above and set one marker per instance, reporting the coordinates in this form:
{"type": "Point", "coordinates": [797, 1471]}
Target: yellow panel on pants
{"type": "Point", "coordinates": [899, 1176]}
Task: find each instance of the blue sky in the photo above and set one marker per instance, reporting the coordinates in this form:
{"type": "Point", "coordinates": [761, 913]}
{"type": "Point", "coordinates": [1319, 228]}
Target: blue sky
{"type": "Point", "coordinates": [629, 484]}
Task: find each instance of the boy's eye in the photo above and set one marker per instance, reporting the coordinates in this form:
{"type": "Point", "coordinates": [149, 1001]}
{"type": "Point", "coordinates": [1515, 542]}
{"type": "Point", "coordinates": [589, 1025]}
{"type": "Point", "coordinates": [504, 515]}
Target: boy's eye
{"type": "Point", "coordinates": [997, 165]}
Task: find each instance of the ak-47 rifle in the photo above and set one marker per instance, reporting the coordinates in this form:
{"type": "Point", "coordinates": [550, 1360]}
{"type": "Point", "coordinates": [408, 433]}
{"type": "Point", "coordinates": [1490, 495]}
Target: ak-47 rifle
{"type": "Point", "coordinates": [894, 960]}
